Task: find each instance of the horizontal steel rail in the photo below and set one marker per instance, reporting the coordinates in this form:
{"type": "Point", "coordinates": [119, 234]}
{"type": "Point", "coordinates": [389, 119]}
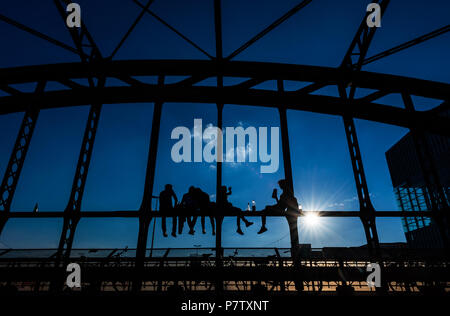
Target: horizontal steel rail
{"type": "Point", "coordinates": [132, 213]}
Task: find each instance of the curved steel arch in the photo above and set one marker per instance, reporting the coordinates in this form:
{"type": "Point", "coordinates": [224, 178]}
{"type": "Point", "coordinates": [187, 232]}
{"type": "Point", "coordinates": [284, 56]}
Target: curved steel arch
{"type": "Point", "coordinates": [244, 93]}
{"type": "Point", "coordinates": [204, 69]}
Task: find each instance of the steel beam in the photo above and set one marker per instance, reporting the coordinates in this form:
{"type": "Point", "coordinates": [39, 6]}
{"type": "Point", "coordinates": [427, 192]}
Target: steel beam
{"type": "Point", "coordinates": [145, 211]}
{"type": "Point", "coordinates": [73, 209]}
{"type": "Point", "coordinates": [407, 45]}
{"type": "Point", "coordinates": [85, 44]}
{"type": "Point", "coordinates": [327, 76]}
{"type": "Point", "coordinates": [124, 38]}
{"type": "Point", "coordinates": [89, 54]}
{"type": "Point", "coordinates": [31, 31]}
{"type": "Point", "coordinates": [366, 208]}
{"type": "Point", "coordinates": [291, 219]}
{"type": "Point", "coordinates": [136, 214]}
{"type": "Point", "coordinates": [219, 66]}
{"type": "Point", "coordinates": [285, 140]}
{"type": "Point", "coordinates": [287, 169]}
{"type": "Point", "coordinates": [358, 50]}
{"type": "Point", "coordinates": [17, 159]}
{"type": "Point", "coordinates": [170, 27]}
{"type": "Point", "coordinates": [428, 120]}
{"type": "Point", "coordinates": [268, 29]}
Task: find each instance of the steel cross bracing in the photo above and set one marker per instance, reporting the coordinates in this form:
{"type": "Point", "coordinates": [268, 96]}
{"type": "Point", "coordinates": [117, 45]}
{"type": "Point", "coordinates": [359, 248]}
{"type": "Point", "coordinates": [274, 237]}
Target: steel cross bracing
{"type": "Point", "coordinates": [84, 43]}
{"type": "Point", "coordinates": [196, 79]}
{"type": "Point", "coordinates": [89, 54]}
{"type": "Point", "coordinates": [357, 51]}
{"type": "Point", "coordinates": [353, 62]}
{"type": "Point", "coordinates": [219, 53]}
{"type": "Point", "coordinates": [17, 159]}
{"type": "Point", "coordinates": [407, 44]}
{"type": "Point", "coordinates": [72, 211]}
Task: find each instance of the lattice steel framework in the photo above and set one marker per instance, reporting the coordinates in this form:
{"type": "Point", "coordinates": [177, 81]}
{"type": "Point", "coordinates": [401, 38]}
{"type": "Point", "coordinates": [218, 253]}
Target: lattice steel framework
{"type": "Point", "coordinates": [97, 69]}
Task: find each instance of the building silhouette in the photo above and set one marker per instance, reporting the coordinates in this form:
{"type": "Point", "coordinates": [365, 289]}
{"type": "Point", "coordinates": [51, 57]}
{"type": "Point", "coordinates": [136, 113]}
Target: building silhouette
{"type": "Point", "coordinates": [410, 185]}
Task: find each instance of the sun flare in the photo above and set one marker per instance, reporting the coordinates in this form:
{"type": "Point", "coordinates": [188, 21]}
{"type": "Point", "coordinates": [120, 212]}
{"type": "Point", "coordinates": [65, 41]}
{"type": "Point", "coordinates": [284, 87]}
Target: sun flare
{"type": "Point", "coordinates": [312, 219]}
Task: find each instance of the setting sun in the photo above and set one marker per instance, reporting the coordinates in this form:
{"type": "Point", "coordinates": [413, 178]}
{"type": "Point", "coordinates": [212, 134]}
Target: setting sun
{"type": "Point", "coordinates": [312, 219]}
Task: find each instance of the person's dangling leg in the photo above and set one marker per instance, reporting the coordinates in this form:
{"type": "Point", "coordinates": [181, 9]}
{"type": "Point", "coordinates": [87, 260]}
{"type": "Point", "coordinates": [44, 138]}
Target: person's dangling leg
{"type": "Point", "coordinates": [181, 220]}
{"type": "Point", "coordinates": [213, 226]}
{"type": "Point", "coordinates": [238, 224]}
{"type": "Point", "coordinates": [189, 219]}
{"type": "Point", "coordinates": [212, 211]}
{"type": "Point", "coordinates": [203, 224]}
{"type": "Point", "coordinates": [174, 226]}
{"type": "Point", "coordinates": [191, 222]}
{"type": "Point", "coordinates": [263, 219]}
{"type": "Point", "coordinates": [247, 222]}
{"type": "Point", "coordinates": [163, 224]}
{"type": "Point", "coordinates": [263, 225]}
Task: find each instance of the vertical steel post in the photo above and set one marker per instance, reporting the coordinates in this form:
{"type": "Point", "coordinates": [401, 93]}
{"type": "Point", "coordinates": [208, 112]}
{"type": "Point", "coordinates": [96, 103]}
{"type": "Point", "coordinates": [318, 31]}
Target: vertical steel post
{"type": "Point", "coordinates": [291, 219]}
{"type": "Point", "coordinates": [358, 49]}
{"type": "Point", "coordinates": [89, 54]}
{"type": "Point", "coordinates": [219, 217]}
{"type": "Point", "coordinates": [146, 205]}
{"type": "Point", "coordinates": [288, 169]}
{"type": "Point", "coordinates": [73, 208]}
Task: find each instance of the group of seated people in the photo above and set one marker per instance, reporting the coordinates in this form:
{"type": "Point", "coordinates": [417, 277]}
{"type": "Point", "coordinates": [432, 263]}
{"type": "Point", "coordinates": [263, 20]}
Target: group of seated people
{"type": "Point", "coordinates": [197, 201]}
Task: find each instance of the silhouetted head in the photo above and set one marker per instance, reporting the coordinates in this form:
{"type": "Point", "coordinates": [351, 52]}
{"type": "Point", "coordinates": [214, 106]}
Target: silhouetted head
{"type": "Point", "coordinates": [283, 184]}
{"type": "Point", "coordinates": [191, 189]}
{"type": "Point", "coordinates": [168, 187]}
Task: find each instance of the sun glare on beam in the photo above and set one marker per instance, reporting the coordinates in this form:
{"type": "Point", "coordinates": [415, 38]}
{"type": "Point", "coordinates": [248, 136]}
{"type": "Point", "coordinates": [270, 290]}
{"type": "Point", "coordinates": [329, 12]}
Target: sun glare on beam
{"type": "Point", "coordinates": [312, 219]}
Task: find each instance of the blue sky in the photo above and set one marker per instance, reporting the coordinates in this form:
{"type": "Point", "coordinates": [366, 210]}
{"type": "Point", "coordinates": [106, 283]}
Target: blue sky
{"type": "Point", "coordinates": [318, 35]}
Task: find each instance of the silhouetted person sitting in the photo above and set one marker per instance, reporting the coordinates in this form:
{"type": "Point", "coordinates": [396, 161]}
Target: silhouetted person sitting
{"type": "Point", "coordinates": [205, 208]}
{"type": "Point", "coordinates": [166, 207]}
{"type": "Point", "coordinates": [286, 202]}
{"type": "Point", "coordinates": [190, 204]}
{"type": "Point", "coordinates": [226, 207]}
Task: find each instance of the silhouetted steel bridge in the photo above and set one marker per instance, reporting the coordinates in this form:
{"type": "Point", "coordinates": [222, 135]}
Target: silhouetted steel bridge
{"type": "Point", "coordinates": [98, 80]}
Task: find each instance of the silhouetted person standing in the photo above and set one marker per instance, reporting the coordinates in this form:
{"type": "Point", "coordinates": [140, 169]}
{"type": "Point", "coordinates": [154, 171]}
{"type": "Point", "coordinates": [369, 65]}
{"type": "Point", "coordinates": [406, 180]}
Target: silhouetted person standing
{"type": "Point", "coordinates": [166, 207]}
{"type": "Point", "coordinates": [227, 207]}
{"type": "Point", "coordinates": [287, 202]}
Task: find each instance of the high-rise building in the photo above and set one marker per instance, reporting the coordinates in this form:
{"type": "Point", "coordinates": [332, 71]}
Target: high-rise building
{"type": "Point", "coordinates": [410, 186]}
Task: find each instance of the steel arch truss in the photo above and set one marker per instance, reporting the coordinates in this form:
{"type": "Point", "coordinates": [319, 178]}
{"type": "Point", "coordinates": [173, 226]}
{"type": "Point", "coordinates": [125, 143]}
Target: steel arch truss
{"type": "Point", "coordinates": [132, 89]}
